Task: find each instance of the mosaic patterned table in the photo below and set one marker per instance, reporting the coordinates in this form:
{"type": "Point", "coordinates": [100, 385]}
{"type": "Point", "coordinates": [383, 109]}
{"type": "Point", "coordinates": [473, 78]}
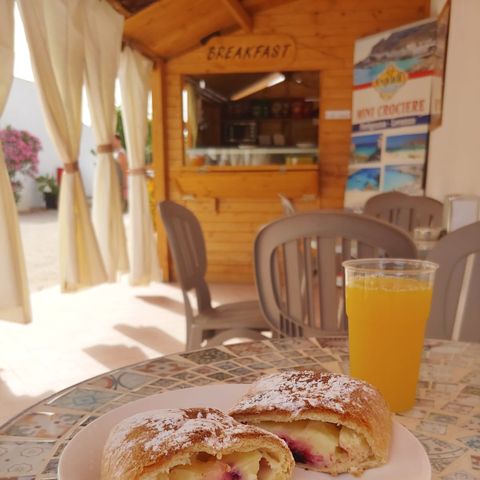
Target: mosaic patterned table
{"type": "Point", "coordinates": [446, 418]}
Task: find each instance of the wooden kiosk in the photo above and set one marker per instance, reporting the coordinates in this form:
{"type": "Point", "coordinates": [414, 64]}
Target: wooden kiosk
{"type": "Point", "coordinates": [231, 37]}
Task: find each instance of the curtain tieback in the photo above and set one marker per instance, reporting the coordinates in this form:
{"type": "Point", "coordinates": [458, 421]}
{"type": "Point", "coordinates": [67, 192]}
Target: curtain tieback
{"type": "Point", "coordinates": [71, 167]}
{"type": "Point", "coordinates": [136, 171]}
{"type": "Point", "coordinates": [105, 148]}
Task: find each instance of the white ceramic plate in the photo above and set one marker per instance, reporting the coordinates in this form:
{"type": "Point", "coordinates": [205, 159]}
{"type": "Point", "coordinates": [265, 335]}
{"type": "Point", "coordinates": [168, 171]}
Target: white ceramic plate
{"type": "Point", "coordinates": [81, 457]}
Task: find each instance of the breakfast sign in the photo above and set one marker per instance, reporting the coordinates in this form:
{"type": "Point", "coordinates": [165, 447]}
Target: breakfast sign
{"type": "Point", "coordinates": [250, 51]}
{"type": "Point", "coordinates": [391, 111]}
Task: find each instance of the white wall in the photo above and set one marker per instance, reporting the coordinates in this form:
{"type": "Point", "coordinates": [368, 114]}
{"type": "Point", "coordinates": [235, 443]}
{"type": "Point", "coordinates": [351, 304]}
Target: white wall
{"type": "Point", "coordinates": [454, 155]}
{"type": "Point", "coordinates": [23, 111]}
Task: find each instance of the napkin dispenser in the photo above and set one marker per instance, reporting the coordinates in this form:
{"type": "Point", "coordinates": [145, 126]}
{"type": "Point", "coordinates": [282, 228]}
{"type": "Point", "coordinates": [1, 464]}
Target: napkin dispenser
{"type": "Point", "coordinates": [461, 210]}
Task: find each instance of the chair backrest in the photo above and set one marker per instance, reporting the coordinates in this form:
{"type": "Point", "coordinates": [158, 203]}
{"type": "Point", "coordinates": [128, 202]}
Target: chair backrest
{"type": "Point", "coordinates": [287, 205]}
{"type": "Point", "coordinates": [187, 245]}
{"type": "Point", "coordinates": [405, 211]}
{"type": "Point", "coordinates": [455, 311]}
{"type": "Point", "coordinates": [298, 266]}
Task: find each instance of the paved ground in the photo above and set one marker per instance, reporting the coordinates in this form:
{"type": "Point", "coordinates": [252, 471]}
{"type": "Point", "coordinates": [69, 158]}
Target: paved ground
{"type": "Point", "coordinates": [78, 335]}
{"type": "Point", "coordinates": [39, 231]}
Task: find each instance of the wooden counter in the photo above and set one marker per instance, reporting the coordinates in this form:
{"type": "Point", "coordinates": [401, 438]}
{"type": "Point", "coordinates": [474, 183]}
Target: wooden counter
{"type": "Point", "coordinates": [264, 182]}
{"type": "Point", "coordinates": [232, 203]}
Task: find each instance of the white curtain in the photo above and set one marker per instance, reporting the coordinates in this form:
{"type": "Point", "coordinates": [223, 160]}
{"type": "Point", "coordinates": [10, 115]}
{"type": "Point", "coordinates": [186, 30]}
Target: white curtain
{"type": "Point", "coordinates": [135, 72]}
{"type": "Point", "coordinates": [103, 39]}
{"type": "Point", "coordinates": [14, 295]}
{"type": "Point", "coordinates": [54, 31]}
{"type": "Point", "coordinates": [6, 50]}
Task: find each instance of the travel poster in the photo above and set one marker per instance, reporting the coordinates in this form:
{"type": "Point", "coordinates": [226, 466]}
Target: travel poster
{"type": "Point", "coordinates": [405, 178]}
{"type": "Point", "coordinates": [391, 111]}
{"type": "Point", "coordinates": [440, 59]}
{"type": "Point", "coordinates": [406, 147]}
{"type": "Point", "coordinates": [366, 148]}
{"type": "Point", "coordinates": [364, 179]}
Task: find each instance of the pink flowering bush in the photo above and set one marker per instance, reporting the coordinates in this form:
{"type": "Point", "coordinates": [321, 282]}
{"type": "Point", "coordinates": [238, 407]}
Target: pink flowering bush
{"type": "Point", "coordinates": [21, 156]}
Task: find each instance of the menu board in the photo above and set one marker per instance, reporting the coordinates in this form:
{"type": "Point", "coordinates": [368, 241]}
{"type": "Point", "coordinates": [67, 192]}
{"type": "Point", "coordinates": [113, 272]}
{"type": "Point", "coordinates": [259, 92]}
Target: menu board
{"type": "Point", "coordinates": [391, 111]}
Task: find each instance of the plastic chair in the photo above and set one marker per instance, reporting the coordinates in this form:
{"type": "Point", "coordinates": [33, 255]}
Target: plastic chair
{"type": "Point", "coordinates": [296, 266]}
{"type": "Point", "coordinates": [405, 211]}
{"type": "Point", "coordinates": [210, 325]}
{"type": "Point", "coordinates": [287, 205]}
{"type": "Point", "coordinates": [455, 311]}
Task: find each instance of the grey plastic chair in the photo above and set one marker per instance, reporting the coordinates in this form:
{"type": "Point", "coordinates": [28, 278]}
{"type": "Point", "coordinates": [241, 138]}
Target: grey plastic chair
{"type": "Point", "coordinates": [296, 266]}
{"type": "Point", "coordinates": [287, 205]}
{"type": "Point", "coordinates": [210, 325]}
{"type": "Point", "coordinates": [455, 311]}
{"type": "Point", "coordinates": [405, 211]}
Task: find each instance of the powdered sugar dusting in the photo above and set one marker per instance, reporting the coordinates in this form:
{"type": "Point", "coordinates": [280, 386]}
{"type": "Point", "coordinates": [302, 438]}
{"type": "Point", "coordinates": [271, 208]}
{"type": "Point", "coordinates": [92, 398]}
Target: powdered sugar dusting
{"type": "Point", "coordinates": [162, 432]}
{"type": "Point", "coordinates": [297, 391]}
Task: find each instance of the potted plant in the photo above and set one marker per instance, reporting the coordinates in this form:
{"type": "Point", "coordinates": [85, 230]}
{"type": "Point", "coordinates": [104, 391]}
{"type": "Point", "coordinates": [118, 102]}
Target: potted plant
{"type": "Point", "coordinates": [47, 184]}
{"type": "Point", "coordinates": [21, 156]}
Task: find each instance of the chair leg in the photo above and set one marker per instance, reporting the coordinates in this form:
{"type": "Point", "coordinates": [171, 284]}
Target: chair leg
{"type": "Point", "coordinates": [194, 338]}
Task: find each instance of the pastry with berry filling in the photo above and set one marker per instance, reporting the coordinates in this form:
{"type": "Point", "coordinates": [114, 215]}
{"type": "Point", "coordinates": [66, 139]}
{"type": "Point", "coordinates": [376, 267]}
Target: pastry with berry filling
{"type": "Point", "coordinates": [331, 423]}
{"type": "Point", "coordinates": [193, 444]}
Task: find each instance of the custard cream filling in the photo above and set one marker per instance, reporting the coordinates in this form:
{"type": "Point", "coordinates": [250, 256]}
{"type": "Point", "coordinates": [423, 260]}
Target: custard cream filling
{"type": "Point", "coordinates": [255, 465]}
{"type": "Point", "coordinates": [318, 443]}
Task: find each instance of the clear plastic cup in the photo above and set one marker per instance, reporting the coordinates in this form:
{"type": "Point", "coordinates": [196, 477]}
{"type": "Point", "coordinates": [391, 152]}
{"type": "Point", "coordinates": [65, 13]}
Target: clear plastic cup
{"type": "Point", "coordinates": [388, 304]}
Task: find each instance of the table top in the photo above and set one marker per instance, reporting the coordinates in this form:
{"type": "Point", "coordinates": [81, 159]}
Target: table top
{"type": "Point", "coordinates": [446, 417]}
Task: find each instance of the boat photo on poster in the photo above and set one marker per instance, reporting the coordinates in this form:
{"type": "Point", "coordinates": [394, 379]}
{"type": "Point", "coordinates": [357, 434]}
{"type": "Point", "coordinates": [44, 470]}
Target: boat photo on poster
{"type": "Point", "coordinates": [391, 111]}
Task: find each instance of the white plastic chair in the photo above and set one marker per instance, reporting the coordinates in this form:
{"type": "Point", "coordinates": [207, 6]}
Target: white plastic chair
{"type": "Point", "coordinates": [455, 311]}
{"type": "Point", "coordinates": [209, 325]}
{"type": "Point", "coordinates": [405, 211]}
{"type": "Point", "coordinates": [296, 266]}
{"type": "Point", "coordinates": [287, 205]}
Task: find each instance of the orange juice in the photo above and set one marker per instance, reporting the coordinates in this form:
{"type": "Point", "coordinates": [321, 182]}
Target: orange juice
{"type": "Point", "coordinates": [386, 325]}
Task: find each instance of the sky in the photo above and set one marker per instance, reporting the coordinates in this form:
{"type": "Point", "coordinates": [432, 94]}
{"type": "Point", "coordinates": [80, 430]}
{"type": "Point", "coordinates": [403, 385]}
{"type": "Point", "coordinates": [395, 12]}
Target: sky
{"type": "Point", "coordinates": [22, 67]}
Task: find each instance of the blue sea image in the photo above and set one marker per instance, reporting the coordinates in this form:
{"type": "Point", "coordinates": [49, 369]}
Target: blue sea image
{"type": "Point", "coordinates": [397, 177]}
{"type": "Point", "coordinates": [369, 74]}
{"type": "Point", "coordinates": [412, 141]}
{"type": "Point", "coordinates": [364, 179]}
{"type": "Point", "coordinates": [366, 148]}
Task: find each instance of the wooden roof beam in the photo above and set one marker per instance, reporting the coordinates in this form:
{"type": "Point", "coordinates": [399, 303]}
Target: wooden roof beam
{"type": "Point", "coordinates": [240, 14]}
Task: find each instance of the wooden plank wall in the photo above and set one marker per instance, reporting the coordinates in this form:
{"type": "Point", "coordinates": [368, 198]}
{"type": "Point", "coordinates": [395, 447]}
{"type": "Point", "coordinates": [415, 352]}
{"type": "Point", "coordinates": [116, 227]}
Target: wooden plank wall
{"type": "Point", "coordinates": [325, 32]}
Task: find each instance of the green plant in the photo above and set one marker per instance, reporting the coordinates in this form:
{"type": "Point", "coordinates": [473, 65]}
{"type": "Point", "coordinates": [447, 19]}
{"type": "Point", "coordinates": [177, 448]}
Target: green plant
{"type": "Point", "coordinates": [119, 127]}
{"type": "Point", "coordinates": [47, 184]}
{"type": "Point", "coordinates": [148, 146]}
{"type": "Point", "coordinates": [120, 131]}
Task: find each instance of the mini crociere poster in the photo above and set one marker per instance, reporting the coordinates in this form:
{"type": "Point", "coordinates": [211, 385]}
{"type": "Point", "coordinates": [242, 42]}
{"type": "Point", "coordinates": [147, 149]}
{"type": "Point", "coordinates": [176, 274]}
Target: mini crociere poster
{"type": "Point", "coordinates": [391, 111]}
